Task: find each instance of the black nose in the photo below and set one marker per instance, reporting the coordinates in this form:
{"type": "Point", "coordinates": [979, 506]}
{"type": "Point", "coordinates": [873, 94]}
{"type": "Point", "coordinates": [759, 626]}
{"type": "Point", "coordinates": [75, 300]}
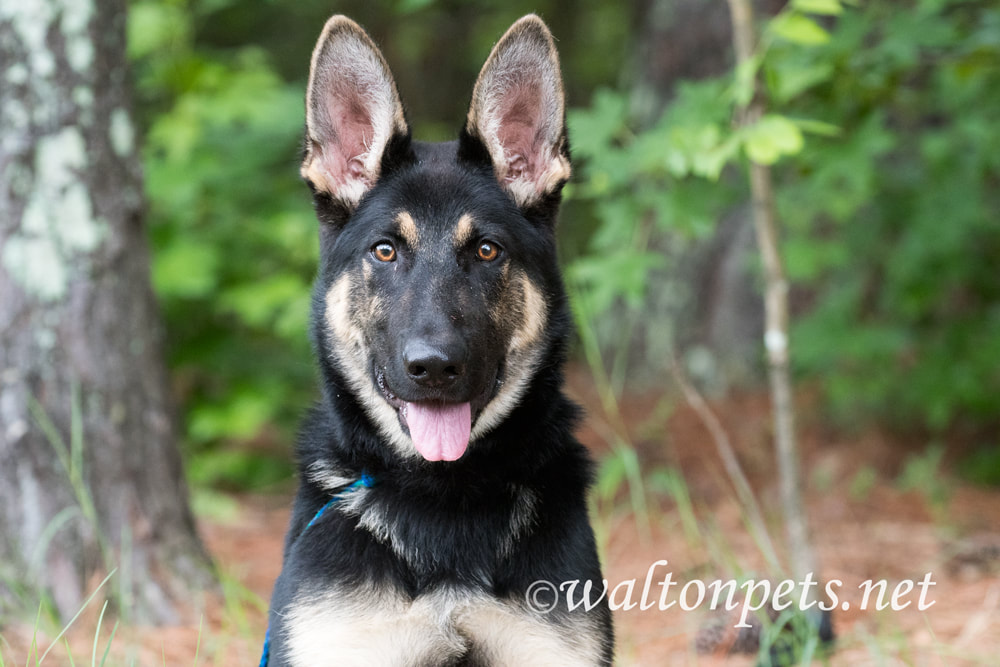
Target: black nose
{"type": "Point", "coordinates": [434, 365]}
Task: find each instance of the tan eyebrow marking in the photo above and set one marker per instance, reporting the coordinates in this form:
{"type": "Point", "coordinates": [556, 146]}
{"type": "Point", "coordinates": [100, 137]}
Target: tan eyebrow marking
{"type": "Point", "coordinates": [407, 228]}
{"type": "Point", "coordinates": [463, 230]}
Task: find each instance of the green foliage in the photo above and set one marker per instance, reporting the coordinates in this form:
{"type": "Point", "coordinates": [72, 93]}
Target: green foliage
{"type": "Point", "coordinates": [862, 483]}
{"type": "Point", "coordinates": [799, 29]}
{"type": "Point", "coordinates": [636, 185]}
{"type": "Point", "coordinates": [883, 129]}
{"type": "Point", "coordinates": [881, 125]}
{"type": "Point", "coordinates": [893, 224]}
{"type": "Point", "coordinates": [922, 473]}
{"type": "Point", "coordinates": [233, 236]}
{"type": "Point", "coordinates": [668, 178]}
{"type": "Point", "coordinates": [791, 639]}
{"type": "Point", "coordinates": [235, 469]}
{"type": "Point", "coordinates": [982, 465]}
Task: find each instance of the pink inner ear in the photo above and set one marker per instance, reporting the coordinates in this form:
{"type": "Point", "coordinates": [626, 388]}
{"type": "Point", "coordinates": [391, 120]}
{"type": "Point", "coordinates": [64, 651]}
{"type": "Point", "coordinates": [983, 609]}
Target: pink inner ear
{"type": "Point", "coordinates": [520, 131]}
{"type": "Point", "coordinates": [351, 134]}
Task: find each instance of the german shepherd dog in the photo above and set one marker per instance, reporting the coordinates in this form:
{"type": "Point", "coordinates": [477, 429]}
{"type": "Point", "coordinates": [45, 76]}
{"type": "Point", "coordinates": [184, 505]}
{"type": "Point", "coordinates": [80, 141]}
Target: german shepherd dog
{"type": "Point", "coordinates": [440, 478]}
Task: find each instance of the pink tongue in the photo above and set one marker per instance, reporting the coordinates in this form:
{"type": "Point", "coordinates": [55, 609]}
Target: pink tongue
{"type": "Point", "coordinates": [440, 432]}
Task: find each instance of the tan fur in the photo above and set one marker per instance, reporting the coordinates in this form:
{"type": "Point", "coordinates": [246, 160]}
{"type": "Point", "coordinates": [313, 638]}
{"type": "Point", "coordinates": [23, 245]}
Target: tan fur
{"type": "Point", "coordinates": [508, 634]}
{"type": "Point", "coordinates": [463, 231]}
{"type": "Point", "coordinates": [365, 626]}
{"type": "Point", "coordinates": [407, 229]}
{"type": "Point", "coordinates": [532, 317]}
{"type": "Point", "coordinates": [525, 304]}
{"type": "Point", "coordinates": [369, 627]}
{"type": "Point", "coordinates": [323, 474]}
{"type": "Point", "coordinates": [522, 351]}
{"type": "Point", "coordinates": [312, 170]}
{"type": "Point", "coordinates": [349, 352]}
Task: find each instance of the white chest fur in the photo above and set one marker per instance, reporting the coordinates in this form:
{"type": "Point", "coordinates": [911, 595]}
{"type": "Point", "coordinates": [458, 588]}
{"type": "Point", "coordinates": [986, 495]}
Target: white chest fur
{"type": "Point", "coordinates": [379, 627]}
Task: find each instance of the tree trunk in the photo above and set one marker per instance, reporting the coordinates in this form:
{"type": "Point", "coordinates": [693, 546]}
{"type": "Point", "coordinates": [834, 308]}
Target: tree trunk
{"type": "Point", "coordinates": [90, 476]}
{"type": "Point", "coordinates": [705, 303]}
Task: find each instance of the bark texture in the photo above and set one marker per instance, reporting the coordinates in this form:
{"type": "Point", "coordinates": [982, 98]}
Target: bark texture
{"type": "Point", "coordinates": [705, 304]}
{"type": "Point", "coordinates": [80, 334]}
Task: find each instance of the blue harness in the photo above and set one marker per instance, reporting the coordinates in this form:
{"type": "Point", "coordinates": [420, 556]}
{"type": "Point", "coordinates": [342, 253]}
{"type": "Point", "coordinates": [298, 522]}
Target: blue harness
{"type": "Point", "coordinates": [366, 481]}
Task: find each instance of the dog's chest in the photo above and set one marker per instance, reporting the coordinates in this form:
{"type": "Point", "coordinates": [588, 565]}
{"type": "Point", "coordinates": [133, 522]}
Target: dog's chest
{"type": "Point", "coordinates": [458, 536]}
{"type": "Point", "coordinates": [440, 627]}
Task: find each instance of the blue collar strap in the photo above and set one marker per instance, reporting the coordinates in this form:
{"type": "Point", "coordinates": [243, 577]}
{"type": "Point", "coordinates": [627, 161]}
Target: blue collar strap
{"type": "Point", "coordinates": [366, 481]}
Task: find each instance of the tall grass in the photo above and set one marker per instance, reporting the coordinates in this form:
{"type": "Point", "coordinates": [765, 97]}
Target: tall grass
{"type": "Point", "coordinates": [241, 606]}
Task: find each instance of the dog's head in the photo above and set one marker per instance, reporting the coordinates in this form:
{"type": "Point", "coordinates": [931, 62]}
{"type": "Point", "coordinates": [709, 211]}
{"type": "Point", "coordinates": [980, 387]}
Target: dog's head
{"type": "Point", "coordinates": [438, 287]}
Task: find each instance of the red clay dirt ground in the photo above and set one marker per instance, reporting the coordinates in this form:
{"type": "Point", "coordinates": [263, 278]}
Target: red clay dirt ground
{"type": "Point", "coordinates": [863, 525]}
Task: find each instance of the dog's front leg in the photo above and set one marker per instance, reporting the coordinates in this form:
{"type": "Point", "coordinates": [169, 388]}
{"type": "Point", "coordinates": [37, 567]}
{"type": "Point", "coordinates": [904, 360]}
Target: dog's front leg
{"type": "Point", "coordinates": [367, 627]}
{"type": "Point", "coordinates": [506, 634]}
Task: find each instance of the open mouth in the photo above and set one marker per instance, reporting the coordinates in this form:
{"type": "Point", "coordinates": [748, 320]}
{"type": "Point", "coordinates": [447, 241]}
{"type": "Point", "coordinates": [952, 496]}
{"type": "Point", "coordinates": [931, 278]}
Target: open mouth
{"type": "Point", "coordinates": [440, 430]}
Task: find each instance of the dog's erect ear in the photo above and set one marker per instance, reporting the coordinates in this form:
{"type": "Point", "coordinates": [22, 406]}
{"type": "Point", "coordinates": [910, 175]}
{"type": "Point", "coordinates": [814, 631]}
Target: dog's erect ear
{"type": "Point", "coordinates": [353, 111]}
{"type": "Point", "coordinates": [518, 112]}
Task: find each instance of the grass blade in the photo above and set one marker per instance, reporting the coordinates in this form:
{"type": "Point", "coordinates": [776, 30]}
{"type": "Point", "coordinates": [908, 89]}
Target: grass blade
{"type": "Point", "coordinates": [111, 639]}
{"type": "Point", "coordinates": [77, 615]}
{"type": "Point", "coordinates": [69, 653]}
{"type": "Point", "coordinates": [57, 522]}
{"type": "Point", "coordinates": [197, 650]}
{"type": "Point", "coordinates": [97, 635]}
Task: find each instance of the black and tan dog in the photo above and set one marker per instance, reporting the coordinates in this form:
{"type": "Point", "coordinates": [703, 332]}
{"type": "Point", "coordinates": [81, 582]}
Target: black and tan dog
{"type": "Point", "coordinates": [439, 475]}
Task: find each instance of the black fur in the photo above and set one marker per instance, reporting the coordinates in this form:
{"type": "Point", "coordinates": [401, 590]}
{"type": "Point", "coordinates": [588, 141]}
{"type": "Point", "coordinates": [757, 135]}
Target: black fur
{"type": "Point", "coordinates": [452, 515]}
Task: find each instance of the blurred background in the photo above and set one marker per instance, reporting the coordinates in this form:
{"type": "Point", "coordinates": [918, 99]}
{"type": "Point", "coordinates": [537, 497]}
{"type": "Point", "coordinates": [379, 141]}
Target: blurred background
{"type": "Point", "coordinates": [881, 130]}
{"type": "Point", "coordinates": [887, 193]}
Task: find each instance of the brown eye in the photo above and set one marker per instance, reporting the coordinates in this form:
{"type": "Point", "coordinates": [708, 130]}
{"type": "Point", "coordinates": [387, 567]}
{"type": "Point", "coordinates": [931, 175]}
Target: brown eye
{"type": "Point", "coordinates": [384, 252]}
{"type": "Point", "coordinates": [487, 251]}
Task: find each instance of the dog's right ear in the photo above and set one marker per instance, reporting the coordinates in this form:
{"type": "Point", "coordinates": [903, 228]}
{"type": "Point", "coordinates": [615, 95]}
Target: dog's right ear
{"type": "Point", "coordinates": [353, 113]}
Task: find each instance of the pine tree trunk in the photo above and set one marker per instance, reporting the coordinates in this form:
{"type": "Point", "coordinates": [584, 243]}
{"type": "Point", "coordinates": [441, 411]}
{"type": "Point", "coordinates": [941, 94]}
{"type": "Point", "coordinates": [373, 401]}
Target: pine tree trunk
{"type": "Point", "coordinates": [90, 475]}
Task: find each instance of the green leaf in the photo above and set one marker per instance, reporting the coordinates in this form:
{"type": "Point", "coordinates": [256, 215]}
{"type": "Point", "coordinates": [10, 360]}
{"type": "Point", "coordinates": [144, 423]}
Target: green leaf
{"type": "Point", "coordinates": [259, 301]}
{"type": "Point", "coordinates": [697, 149]}
{"type": "Point", "coordinates": [619, 217]}
{"type": "Point", "coordinates": [827, 7]}
{"type": "Point", "coordinates": [676, 162]}
{"type": "Point", "coordinates": [770, 138]}
{"type": "Point", "coordinates": [799, 29]}
{"type": "Point", "coordinates": [709, 163]}
{"type": "Point", "coordinates": [154, 27]}
{"type": "Point", "coordinates": [185, 269]}
{"type": "Point", "coordinates": [229, 467]}
{"type": "Point", "coordinates": [614, 274]}
{"type": "Point", "coordinates": [817, 127]}
{"type": "Point", "coordinates": [240, 417]}
{"type": "Point", "coordinates": [594, 129]}
{"type": "Point", "coordinates": [807, 259]}
{"type": "Point", "coordinates": [790, 80]}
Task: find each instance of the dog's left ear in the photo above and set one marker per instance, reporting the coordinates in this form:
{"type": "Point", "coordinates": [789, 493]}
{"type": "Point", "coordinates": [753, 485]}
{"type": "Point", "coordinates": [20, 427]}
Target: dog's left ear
{"type": "Point", "coordinates": [518, 113]}
{"type": "Point", "coordinates": [353, 113]}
